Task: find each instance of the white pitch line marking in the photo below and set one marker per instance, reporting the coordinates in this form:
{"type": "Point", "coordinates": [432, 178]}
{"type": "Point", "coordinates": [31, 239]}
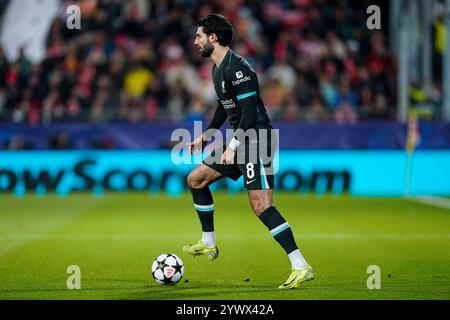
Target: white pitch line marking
{"type": "Point", "coordinates": [432, 201]}
{"type": "Point", "coordinates": [228, 236]}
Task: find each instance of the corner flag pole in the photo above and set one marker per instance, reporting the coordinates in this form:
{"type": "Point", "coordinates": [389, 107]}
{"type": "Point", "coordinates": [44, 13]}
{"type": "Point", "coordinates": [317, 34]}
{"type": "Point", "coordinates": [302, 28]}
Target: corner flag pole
{"type": "Point", "coordinates": [412, 141]}
{"type": "Point", "coordinates": [408, 172]}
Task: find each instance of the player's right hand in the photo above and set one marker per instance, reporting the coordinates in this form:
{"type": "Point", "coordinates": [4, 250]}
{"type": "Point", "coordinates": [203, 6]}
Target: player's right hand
{"type": "Point", "coordinates": [197, 145]}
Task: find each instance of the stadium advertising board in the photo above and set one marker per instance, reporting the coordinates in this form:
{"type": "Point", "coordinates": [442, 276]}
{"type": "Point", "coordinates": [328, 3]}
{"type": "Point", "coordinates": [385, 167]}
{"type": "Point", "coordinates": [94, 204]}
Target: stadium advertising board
{"type": "Point", "coordinates": [359, 173]}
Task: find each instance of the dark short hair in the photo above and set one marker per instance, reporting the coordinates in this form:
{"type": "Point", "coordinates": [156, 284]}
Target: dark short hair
{"type": "Point", "coordinates": [218, 24]}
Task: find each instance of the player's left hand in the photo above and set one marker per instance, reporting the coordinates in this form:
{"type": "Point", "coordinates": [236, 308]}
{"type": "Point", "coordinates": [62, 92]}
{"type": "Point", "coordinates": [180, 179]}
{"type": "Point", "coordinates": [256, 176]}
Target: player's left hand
{"type": "Point", "coordinates": [227, 157]}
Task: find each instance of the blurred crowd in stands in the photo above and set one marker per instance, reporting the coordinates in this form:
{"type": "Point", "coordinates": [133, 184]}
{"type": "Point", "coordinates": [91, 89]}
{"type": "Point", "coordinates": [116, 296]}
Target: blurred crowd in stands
{"type": "Point", "coordinates": [135, 60]}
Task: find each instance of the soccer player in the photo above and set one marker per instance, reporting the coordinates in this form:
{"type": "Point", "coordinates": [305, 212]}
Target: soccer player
{"type": "Point", "coordinates": [237, 89]}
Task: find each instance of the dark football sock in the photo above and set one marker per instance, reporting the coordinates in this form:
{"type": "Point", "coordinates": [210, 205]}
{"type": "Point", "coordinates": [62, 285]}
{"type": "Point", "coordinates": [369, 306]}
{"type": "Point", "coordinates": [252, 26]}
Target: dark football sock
{"type": "Point", "coordinates": [279, 229]}
{"type": "Point", "coordinates": [204, 205]}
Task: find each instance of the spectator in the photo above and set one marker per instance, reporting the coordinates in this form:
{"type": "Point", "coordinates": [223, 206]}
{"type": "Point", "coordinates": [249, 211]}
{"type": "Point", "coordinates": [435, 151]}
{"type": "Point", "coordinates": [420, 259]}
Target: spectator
{"type": "Point", "coordinates": [274, 95]}
{"type": "Point", "coordinates": [196, 110]}
{"type": "Point", "coordinates": [345, 95]}
{"type": "Point", "coordinates": [137, 80]}
{"type": "Point", "coordinates": [290, 110]}
{"type": "Point", "coordinates": [283, 72]}
{"type": "Point", "coordinates": [317, 112]}
{"type": "Point", "coordinates": [345, 114]}
{"type": "Point", "coordinates": [328, 90]}
{"type": "Point", "coordinates": [59, 141]}
{"type": "Point", "coordinates": [18, 143]}
{"type": "Point", "coordinates": [178, 100]}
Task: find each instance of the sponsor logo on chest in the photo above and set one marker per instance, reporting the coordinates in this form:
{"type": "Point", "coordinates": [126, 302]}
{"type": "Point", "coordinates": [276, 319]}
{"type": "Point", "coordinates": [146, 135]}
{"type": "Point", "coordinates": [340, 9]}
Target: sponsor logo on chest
{"type": "Point", "coordinates": [241, 78]}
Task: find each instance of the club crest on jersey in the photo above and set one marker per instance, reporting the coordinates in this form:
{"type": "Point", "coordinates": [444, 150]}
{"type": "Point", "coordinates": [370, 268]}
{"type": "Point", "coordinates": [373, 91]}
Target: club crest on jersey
{"type": "Point", "coordinates": [239, 74]}
{"type": "Point", "coordinates": [223, 87]}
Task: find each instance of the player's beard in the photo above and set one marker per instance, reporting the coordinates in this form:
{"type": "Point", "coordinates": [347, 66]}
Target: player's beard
{"type": "Point", "coordinates": [207, 49]}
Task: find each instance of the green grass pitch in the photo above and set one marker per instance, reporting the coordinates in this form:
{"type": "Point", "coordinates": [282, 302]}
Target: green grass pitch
{"type": "Point", "coordinates": [114, 239]}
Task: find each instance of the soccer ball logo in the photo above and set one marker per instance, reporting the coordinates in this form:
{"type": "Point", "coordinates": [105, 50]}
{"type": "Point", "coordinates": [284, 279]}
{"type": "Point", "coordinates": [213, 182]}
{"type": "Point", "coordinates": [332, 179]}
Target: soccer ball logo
{"type": "Point", "coordinates": [167, 269]}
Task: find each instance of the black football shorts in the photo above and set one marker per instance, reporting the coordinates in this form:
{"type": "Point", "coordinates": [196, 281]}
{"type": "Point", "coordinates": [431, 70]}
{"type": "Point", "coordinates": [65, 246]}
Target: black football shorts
{"type": "Point", "coordinates": [253, 160]}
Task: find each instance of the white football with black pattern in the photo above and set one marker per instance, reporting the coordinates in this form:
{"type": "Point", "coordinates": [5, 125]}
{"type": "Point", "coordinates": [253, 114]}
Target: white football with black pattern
{"type": "Point", "coordinates": [167, 269]}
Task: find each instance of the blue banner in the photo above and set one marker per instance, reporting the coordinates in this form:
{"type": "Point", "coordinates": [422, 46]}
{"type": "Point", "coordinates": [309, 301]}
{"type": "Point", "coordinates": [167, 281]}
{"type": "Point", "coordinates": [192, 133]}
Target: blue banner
{"type": "Point", "coordinates": [359, 173]}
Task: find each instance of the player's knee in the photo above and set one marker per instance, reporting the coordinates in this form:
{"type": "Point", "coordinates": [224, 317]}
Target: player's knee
{"type": "Point", "coordinates": [195, 180]}
{"type": "Point", "coordinates": [191, 180]}
{"type": "Point", "coordinates": [259, 208]}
